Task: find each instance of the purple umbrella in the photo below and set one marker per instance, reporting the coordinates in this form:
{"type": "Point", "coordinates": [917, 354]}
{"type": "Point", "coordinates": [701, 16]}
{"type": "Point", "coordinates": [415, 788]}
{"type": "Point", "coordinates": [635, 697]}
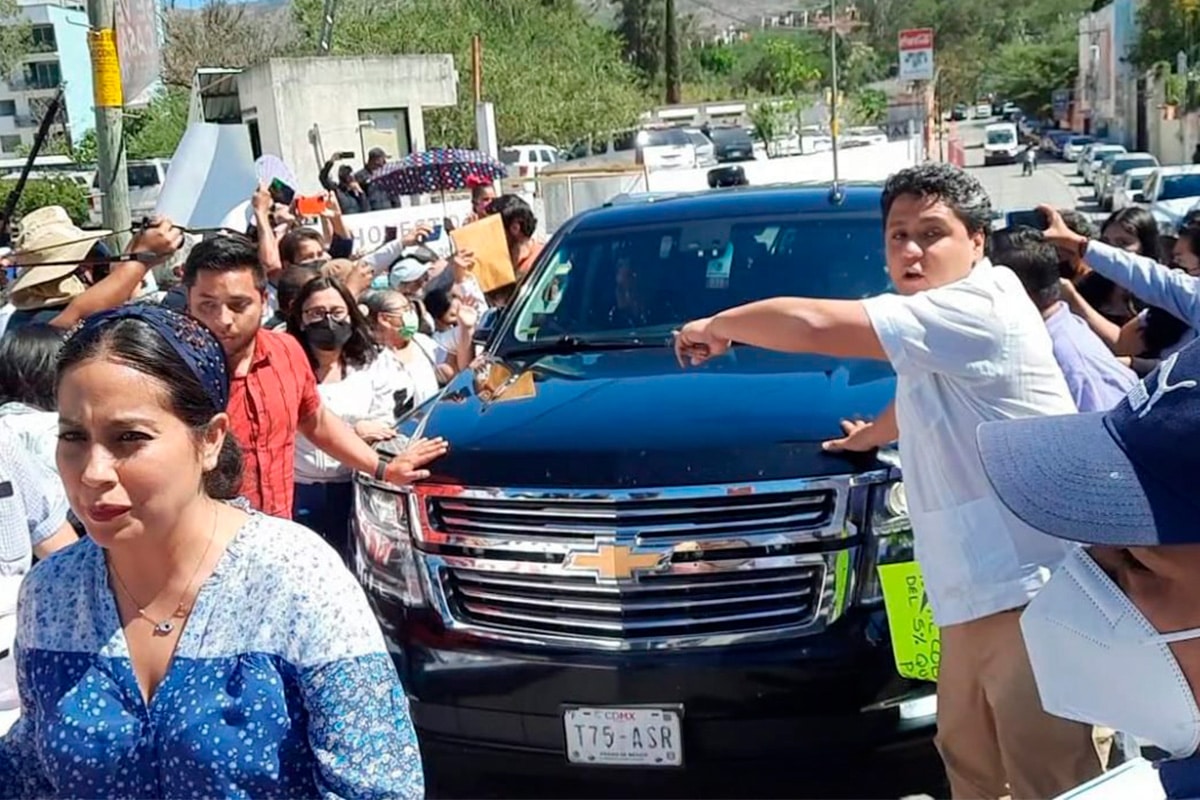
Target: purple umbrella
{"type": "Point", "coordinates": [438, 171]}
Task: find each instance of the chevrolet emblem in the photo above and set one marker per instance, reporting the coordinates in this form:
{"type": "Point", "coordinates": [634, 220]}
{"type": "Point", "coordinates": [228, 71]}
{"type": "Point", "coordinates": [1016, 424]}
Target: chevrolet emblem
{"type": "Point", "coordinates": [615, 561]}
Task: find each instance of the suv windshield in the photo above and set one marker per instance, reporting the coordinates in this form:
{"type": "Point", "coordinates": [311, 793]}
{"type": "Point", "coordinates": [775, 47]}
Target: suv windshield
{"type": "Point", "coordinates": [646, 281]}
{"type": "Point", "coordinates": [1001, 137]}
{"type": "Point", "coordinates": [1177, 186]}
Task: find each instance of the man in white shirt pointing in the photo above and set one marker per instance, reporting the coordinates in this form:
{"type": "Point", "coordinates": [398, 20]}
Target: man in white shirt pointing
{"type": "Point", "coordinates": [968, 347]}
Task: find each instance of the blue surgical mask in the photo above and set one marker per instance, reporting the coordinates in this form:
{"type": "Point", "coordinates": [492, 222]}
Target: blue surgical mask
{"type": "Point", "coordinates": [380, 282]}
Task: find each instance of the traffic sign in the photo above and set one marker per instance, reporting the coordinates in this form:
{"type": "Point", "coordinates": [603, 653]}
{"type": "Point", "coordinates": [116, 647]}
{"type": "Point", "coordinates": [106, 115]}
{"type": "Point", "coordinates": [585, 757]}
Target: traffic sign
{"type": "Point", "coordinates": [916, 54]}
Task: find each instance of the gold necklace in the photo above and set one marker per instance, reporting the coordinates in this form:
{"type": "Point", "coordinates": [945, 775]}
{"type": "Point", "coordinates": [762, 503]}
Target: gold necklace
{"type": "Point", "coordinates": [166, 626]}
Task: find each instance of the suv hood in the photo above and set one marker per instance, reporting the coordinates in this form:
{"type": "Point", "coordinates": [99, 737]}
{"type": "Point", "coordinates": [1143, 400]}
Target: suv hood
{"type": "Point", "coordinates": [633, 418]}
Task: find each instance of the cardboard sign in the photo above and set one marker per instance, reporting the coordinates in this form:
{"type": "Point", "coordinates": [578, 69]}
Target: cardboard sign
{"type": "Point", "coordinates": [916, 640]}
{"type": "Point", "coordinates": [486, 240]}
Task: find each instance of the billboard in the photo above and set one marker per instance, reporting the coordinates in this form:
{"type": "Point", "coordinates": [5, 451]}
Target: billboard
{"type": "Point", "coordinates": [916, 54]}
{"type": "Point", "coordinates": [138, 46]}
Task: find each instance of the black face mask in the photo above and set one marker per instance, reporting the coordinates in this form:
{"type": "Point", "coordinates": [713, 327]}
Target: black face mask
{"type": "Point", "coordinates": [328, 334]}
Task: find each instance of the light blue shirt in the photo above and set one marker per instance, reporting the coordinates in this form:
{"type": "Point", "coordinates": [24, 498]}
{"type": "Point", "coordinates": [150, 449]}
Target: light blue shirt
{"type": "Point", "coordinates": [1096, 379]}
{"type": "Point", "coordinates": [1155, 284]}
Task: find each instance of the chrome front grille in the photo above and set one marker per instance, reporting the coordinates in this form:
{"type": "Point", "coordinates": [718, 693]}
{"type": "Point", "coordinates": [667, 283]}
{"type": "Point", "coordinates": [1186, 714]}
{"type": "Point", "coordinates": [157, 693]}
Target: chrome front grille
{"type": "Point", "coordinates": [661, 606]}
{"type": "Point", "coordinates": [647, 569]}
{"type": "Point", "coordinates": [654, 518]}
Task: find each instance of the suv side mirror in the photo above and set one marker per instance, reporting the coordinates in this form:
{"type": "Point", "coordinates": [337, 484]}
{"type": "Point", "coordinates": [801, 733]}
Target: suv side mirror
{"type": "Point", "coordinates": [1138, 197]}
{"type": "Point", "coordinates": [486, 328]}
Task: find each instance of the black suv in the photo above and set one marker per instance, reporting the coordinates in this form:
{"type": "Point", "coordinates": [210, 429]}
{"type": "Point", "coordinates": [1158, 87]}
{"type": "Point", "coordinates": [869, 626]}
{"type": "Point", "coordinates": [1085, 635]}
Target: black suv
{"type": "Point", "coordinates": [627, 578]}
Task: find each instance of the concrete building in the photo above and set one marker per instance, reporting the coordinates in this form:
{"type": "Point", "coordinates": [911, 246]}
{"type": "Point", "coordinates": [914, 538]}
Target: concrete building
{"type": "Point", "coordinates": [59, 55]}
{"type": "Point", "coordinates": [1106, 95]}
{"type": "Point", "coordinates": [306, 109]}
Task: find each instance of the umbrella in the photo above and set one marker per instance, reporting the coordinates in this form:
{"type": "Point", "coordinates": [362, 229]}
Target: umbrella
{"type": "Point", "coordinates": [438, 171]}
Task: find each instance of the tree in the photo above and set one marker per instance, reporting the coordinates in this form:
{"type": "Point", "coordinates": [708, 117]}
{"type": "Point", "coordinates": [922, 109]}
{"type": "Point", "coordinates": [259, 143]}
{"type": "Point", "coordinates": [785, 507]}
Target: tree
{"type": "Point", "coordinates": [641, 26]}
{"type": "Point", "coordinates": [785, 66]}
{"type": "Point", "coordinates": [1166, 28]}
{"type": "Point", "coordinates": [41, 192]}
{"type": "Point", "coordinates": [155, 131]}
{"type": "Point", "coordinates": [671, 42]}
{"type": "Point", "coordinates": [222, 34]}
{"type": "Point", "coordinates": [16, 37]}
{"type": "Point", "coordinates": [553, 74]}
{"type": "Point", "coordinates": [868, 107]}
{"type": "Point", "coordinates": [1028, 74]}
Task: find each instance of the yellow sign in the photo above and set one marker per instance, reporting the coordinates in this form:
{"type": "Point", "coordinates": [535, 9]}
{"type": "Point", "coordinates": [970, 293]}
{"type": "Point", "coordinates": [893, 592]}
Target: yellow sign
{"type": "Point", "coordinates": [106, 68]}
{"type": "Point", "coordinates": [916, 640]}
{"type": "Point", "coordinates": [615, 562]}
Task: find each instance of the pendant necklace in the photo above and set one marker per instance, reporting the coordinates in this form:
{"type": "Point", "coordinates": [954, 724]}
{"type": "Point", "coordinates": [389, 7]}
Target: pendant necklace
{"type": "Point", "coordinates": [164, 627]}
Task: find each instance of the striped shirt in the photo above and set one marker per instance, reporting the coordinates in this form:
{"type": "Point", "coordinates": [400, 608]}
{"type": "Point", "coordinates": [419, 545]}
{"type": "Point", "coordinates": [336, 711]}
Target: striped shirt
{"type": "Point", "coordinates": [265, 409]}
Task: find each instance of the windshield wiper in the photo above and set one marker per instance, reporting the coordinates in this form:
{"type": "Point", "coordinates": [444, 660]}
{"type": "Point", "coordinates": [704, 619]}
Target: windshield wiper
{"type": "Point", "coordinates": [575, 344]}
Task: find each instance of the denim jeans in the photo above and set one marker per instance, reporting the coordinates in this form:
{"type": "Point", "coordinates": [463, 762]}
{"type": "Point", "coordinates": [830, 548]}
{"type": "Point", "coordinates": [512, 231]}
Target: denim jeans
{"type": "Point", "coordinates": [325, 508]}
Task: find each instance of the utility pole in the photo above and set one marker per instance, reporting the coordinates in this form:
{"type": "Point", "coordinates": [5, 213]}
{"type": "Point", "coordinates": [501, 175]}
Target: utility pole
{"type": "Point", "coordinates": [833, 93]}
{"type": "Point", "coordinates": [110, 102]}
{"type": "Point", "coordinates": [671, 69]}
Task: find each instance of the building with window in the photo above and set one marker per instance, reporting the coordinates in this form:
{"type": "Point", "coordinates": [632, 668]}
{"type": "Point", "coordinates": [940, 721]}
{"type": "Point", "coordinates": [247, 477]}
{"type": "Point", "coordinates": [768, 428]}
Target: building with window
{"type": "Point", "coordinates": [305, 110]}
{"type": "Point", "coordinates": [59, 54]}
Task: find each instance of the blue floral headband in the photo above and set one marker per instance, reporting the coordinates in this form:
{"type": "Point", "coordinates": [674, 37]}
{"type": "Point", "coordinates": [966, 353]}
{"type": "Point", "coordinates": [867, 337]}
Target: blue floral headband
{"type": "Point", "coordinates": [191, 341]}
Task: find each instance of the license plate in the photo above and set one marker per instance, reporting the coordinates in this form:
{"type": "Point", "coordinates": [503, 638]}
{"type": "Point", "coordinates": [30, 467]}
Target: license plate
{"type": "Point", "coordinates": [633, 737]}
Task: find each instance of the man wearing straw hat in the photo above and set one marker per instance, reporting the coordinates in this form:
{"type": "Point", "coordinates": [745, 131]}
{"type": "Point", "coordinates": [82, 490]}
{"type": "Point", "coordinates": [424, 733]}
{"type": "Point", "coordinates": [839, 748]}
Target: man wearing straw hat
{"type": "Point", "coordinates": [62, 268]}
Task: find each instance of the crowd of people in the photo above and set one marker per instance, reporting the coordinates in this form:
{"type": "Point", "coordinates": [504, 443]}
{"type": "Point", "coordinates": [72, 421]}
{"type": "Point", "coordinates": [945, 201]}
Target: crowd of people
{"type": "Point", "coordinates": [179, 460]}
{"type": "Point", "coordinates": [1026, 428]}
{"type": "Point", "coordinates": [180, 423]}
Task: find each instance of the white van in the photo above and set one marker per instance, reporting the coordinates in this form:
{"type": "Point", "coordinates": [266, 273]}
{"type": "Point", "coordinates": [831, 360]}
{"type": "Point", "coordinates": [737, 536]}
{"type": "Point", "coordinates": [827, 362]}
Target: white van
{"type": "Point", "coordinates": [1001, 145]}
{"type": "Point", "coordinates": [145, 183]}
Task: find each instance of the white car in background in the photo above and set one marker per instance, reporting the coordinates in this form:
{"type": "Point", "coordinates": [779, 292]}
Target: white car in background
{"type": "Point", "coordinates": [706, 151]}
{"type": "Point", "coordinates": [1127, 188]}
{"type": "Point", "coordinates": [1171, 192]}
{"type": "Point", "coordinates": [659, 148]}
{"type": "Point", "coordinates": [1092, 157]}
{"type": "Point", "coordinates": [1074, 147]}
{"type": "Point", "coordinates": [983, 110]}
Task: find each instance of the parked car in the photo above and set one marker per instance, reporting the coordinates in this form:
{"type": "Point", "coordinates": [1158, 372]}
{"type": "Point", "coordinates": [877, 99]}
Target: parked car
{"type": "Point", "coordinates": [527, 160]}
{"type": "Point", "coordinates": [1010, 112]}
{"type": "Point", "coordinates": [959, 112]}
{"type": "Point", "coordinates": [587, 594]}
{"type": "Point", "coordinates": [732, 144]}
{"type": "Point", "coordinates": [865, 135]}
{"type": "Point", "coordinates": [983, 110]}
{"type": "Point", "coordinates": [1127, 188]}
{"type": "Point", "coordinates": [706, 152]}
{"type": "Point", "coordinates": [146, 179]}
{"type": "Point", "coordinates": [1114, 167]}
{"type": "Point", "coordinates": [1092, 157]}
{"type": "Point", "coordinates": [659, 148]}
{"type": "Point", "coordinates": [1074, 147]}
{"type": "Point", "coordinates": [1171, 192]}
{"type": "Point", "coordinates": [1053, 142]}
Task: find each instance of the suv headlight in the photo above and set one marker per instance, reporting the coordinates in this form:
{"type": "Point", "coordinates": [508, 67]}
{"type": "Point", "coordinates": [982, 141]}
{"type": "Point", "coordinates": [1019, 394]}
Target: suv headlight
{"type": "Point", "coordinates": [889, 536]}
{"type": "Point", "coordinates": [384, 559]}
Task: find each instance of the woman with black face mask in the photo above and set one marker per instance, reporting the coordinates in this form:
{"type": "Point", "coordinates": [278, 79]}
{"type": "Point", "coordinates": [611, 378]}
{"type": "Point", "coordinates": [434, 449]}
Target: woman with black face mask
{"type": "Point", "coordinates": [354, 384]}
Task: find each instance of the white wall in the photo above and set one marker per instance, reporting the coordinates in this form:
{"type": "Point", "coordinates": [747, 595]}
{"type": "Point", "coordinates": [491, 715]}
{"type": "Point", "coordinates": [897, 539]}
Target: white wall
{"type": "Point", "coordinates": [291, 95]}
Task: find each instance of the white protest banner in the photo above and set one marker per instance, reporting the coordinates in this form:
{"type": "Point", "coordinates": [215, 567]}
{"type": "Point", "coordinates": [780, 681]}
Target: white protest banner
{"type": "Point", "coordinates": [211, 172]}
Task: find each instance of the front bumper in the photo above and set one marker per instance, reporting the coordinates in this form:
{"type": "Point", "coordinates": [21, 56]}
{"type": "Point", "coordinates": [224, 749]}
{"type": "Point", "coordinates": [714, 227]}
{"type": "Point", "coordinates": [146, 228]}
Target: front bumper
{"type": "Point", "coordinates": [999, 157]}
{"type": "Point", "coordinates": [806, 717]}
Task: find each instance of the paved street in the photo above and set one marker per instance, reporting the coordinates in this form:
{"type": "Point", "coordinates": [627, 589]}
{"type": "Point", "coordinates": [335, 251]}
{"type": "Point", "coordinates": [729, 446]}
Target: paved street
{"type": "Point", "coordinates": [1054, 181]}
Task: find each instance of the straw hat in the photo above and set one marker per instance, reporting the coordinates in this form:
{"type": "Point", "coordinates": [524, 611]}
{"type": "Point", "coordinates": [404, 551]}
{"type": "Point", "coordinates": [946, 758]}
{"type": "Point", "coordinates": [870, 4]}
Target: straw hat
{"type": "Point", "coordinates": [48, 235]}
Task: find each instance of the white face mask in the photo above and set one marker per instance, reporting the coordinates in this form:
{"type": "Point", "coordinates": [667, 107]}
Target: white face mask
{"type": "Point", "coordinates": [1098, 660]}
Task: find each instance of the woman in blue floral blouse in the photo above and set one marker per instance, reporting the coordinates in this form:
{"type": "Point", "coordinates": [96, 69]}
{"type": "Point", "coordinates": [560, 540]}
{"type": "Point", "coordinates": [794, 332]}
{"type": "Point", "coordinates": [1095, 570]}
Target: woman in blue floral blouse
{"type": "Point", "coordinates": [187, 647]}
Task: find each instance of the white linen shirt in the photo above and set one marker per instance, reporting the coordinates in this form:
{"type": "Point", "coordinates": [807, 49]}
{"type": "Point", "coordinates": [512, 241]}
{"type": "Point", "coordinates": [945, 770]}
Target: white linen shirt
{"type": "Point", "coordinates": [970, 352]}
{"type": "Point", "coordinates": [363, 394]}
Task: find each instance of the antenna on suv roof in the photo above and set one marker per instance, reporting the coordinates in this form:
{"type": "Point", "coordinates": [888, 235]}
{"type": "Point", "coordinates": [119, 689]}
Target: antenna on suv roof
{"type": "Point", "coordinates": [836, 191]}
